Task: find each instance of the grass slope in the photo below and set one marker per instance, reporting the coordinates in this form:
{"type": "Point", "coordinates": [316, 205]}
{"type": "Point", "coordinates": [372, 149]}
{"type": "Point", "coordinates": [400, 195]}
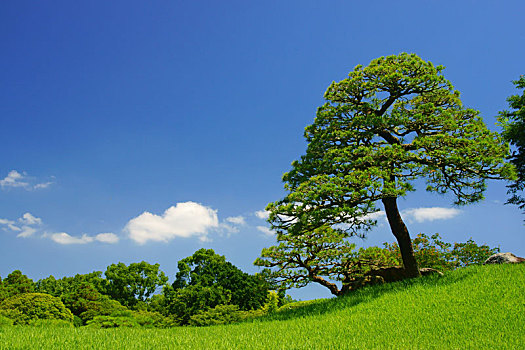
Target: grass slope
{"type": "Point", "coordinates": [478, 307]}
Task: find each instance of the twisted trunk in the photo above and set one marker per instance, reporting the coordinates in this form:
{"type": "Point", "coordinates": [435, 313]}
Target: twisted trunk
{"type": "Point", "coordinates": [400, 231]}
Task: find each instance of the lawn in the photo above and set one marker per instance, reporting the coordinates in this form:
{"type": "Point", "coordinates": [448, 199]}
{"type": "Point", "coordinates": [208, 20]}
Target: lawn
{"type": "Point", "coordinates": [478, 307]}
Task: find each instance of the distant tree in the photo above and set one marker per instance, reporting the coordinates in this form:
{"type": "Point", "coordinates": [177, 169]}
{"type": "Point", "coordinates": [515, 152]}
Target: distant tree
{"type": "Point", "coordinates": [513, 123]}
{"type": "Point", "coordinates": [16, 283]}
{"type": "Point", "coordinates": [86, 302]}
{"type": "Point", "coordinates": [66, 285]}
{"type": "Point", "coordinates": [206, 280]}
{"type": "Point", "coordinates": [134, 283]}
{"type": "Point", "coordinates": [386, 125]}
{"type": "Point", "coordinates": [206, 268]}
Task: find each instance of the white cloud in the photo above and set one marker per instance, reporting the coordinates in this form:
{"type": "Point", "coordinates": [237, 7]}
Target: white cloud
{"type": "Point", "coordinates": [16, 179]}
{"type": "Point", "coordinates": [262, 214]}
{"type": "Point", "coordinates": [64, 238]}
{"type": "Point", "coordinates": [26, 231]}
{"type": "Point", "coordinates": [13, 179]}
{"type": "Point", "coordinates": [43, 185]}
{"type": "Point", "coordinates": [26, 228]}
{"type": "Point", "coordinates": [375, 215]}
{"type": "Point", "coordinates": [29, 219]}
{"type": "Point", "coordinates": [67, 239]}
{"type": "Point", "coordinates": [183, 220]}
{"type": "Point", "coordinates": [110, 238]}
{"type": "Point", "coordinates": [266, 230]}
{"type": "Point", "coordinates": [236, 220]}
{"type": "Point", "coordinates": [430, 214]}
{"type": "Point", "coordinates": [10, 225]}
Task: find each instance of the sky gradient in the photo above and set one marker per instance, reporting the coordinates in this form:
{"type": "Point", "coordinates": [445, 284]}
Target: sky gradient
{"type": "Point", "coordinates": [138, 131]}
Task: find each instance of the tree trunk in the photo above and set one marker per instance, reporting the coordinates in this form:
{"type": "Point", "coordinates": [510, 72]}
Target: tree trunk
{"type": "Point", "coordinates": [400, 231]}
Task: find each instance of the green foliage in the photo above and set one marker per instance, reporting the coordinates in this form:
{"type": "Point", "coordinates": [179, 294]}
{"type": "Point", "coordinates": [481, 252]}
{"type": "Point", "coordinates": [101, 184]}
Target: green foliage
{"type": "Point", "coordinates": [186, 302]}
{"type": "Point", "coordinates": [15, 283]}
{"type": "Point", "coordinates": [220, 314]}
{"type": "Point", "coordinates": [206, 280]}
{"type": "Point", "coordinates": [133, 283]}
{"type": "Point", "coordinates": [423, 313]}
{"type": "Point", "coordinates": [208, 269]}
{"type": "Point", "coordinates": [68, 285]}
{"type": "Point", "coordinates": [272, 303]}
{"type": "Point", "coordinates": [86, 302]}
{"type": "Point", "coordinates": [128, 318]}
{"type": "Point", "coordinates": [315, 256]}
{"type": "Point", "coordinates": [513, 123]}
{"type": "Point", "coordinates": [434, 253]}
{"type": "Point", "coordinates": [26, 307]}
{"type": "Point", "coordinates": [385, 126]}
{"type": "Point", "coordinates": [325, 257]}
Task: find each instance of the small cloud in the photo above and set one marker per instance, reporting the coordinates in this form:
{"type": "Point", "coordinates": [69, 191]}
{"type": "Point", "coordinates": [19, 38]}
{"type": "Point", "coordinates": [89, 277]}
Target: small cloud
{"type": "Point", "coordinates": [430, 214]}
{"type": "Point", "coordinates": [24, 227]}
{"type": "Point", "coordinates": [64, 238]}
{"type": "Point", "coordinates": [262, 214]}
{"type": "Point", "coordinates": [375, 215]}
{"type": "Point", "coordinates": [266, 230]}
{"type": "Point", "coordinates": [43, 185]}
{"type": "Point", "coordinates": [236, 220]}
{"type": "Point", "coordinates": [26, 231]}
{"type": "Point", "coordinates": [29, 219]}
{"type": "Point", "coordinates": [10, 225]}
{"type": "Point", "coordinates": [13, 179]}
{"type": "Point", "coordinates": [110, 238]}
{"type": "Point", "coordinates": [183, 220]}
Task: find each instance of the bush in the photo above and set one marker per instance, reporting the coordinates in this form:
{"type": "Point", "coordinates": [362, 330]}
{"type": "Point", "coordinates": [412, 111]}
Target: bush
{"type": "Point", "coordinates": [434, 253]}
{"type": "Point", "coordinates": [24, 308]}
{"type": "Point", "coordinates": [220, 314]}
{"type": "Point", "coordinates": [272, 302]}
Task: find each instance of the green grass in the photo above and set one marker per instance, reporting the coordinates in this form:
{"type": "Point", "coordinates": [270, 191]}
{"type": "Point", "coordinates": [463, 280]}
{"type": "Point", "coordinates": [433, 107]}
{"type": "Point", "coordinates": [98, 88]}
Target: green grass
{"type": "Point", "coordinates": [478, 307]}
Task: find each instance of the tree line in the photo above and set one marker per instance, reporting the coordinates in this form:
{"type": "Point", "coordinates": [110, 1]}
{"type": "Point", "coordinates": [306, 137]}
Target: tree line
{"type": "Point", "coordinates": [205, 286]}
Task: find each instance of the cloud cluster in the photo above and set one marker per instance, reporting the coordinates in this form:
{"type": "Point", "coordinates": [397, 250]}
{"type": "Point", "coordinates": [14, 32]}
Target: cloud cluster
{"type": "Point", "coordinates": [25, 226]}
{"type": "Point", "coordinates": [15, 179]}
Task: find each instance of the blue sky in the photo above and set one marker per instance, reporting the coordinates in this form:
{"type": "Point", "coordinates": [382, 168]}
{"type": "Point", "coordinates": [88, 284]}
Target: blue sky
{"type": "Point", "coordinates": [138, 130]}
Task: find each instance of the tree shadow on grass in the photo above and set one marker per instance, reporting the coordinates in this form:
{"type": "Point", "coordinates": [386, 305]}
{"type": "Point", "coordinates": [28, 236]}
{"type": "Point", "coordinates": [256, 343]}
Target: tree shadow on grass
{"type": "Point", "coordinates": [313, 308]}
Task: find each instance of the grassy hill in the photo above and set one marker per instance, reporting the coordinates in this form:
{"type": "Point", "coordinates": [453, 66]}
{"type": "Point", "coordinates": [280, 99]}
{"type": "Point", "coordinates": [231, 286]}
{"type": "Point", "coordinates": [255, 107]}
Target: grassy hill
{"type": "Point", "coordinates": [478, 307]}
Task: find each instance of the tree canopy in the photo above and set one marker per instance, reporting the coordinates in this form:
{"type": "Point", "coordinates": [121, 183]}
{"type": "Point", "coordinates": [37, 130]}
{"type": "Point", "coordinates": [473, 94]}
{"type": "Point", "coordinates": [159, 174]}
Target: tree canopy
{"type": "Point", "coordinates": [513, 122]}
{"type": "Point", "coordinates": [133, 283]}
{"type": "Point", "coordinates": [206, 280]}
{"type": "Point", "coordinates": [386, 125]}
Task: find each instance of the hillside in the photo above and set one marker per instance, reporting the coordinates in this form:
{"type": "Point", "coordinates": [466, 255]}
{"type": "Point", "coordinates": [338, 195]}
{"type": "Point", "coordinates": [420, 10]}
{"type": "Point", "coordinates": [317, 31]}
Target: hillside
{"type": "Point", "coordinates": [475, 307]}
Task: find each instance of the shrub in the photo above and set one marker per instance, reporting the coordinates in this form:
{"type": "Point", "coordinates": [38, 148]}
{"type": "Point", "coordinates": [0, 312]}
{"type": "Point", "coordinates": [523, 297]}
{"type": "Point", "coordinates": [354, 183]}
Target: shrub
{"type": "Point", "coordinates": [433, 252]}
{"type": "Point", "coordinates": [220, 314]}
{"type": "Point", "coordinates": [272, 302]}
{"type": "Point", "coordinates": [24, 308]}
